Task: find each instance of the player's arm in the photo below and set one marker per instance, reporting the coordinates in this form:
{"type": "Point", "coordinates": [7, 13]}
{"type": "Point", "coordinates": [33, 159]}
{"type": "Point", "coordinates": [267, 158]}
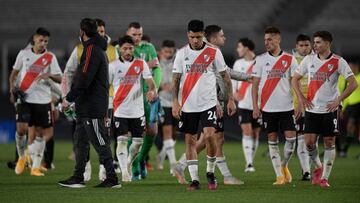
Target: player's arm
{"type": "Point", "coordinates": [69, 72]}
{"type": "Point", "coordinates": [176, 108]}
{"type": "Point", "coordinates": [151, 93]}
{"type": "Point", "coordinates": [255, 96]}
{"type": "Point", "coordinates": [231, 107]}
{"type": "Point", "coordinates": [14, 74]}
{"type": "Point", "coordinates": [239, 76]}
{"type": "Point", "coordinates": [352, 85]}
{"type": "Point", "coordinates": [302, 101]}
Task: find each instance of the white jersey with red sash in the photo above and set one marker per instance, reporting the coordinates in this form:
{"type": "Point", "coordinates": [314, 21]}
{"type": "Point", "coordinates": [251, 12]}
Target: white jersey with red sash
{"type": "Point", "coordinates": [125, 76]}
{"type": "Point", "coordinates": [242, 88]}
{"type": "Point", "coordinates": [198, 81]}
{"type": "Point", "coordinates": [275, 74]}
{"type": "Point", "coordinates": [30, 67]}
{"type": "Point", "coordinates": [323, 79]}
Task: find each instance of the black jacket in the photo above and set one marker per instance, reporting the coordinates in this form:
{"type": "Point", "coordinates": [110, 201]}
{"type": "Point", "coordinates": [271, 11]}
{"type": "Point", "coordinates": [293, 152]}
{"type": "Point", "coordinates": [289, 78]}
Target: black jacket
{"type": "Point", "coordinates": [90, 87]}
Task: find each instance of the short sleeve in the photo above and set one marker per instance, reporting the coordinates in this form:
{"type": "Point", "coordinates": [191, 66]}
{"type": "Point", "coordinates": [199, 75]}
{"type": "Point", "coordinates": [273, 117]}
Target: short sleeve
{"type": "Point", "coordinates": [219, 61]}
{"type": "Point", "coordinates": [178, 68]}
{"type": "Point", "coordinates": [302, 68]}
{"type": "Point", "coordinates": [294, 66]}
{"type": "Point", "coordinates": [146, 74]}
{"type": "Point", "coordinates": [257, 68]}
{"type": "Point", "coordinates": [19, 61]}
{"type": "Point", "coordinates": [344, 68]}
{"type": "Point", "coordinates": [54, 66]}
{"type": "Point", "coordinates": [111, 71]}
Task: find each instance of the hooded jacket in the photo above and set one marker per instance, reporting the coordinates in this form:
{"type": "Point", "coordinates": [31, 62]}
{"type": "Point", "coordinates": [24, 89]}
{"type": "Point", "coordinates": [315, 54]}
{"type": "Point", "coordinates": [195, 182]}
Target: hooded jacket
{"type": "Point", "coordinates": [90, 86]}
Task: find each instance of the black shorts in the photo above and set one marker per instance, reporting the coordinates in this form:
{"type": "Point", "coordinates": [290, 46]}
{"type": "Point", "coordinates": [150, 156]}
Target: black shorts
{"type": "Point", "coordinates": [353, 112]}
{"type": "Point", "coordinates": [136, 126]}
{"type": "Point", "coordinates": [189, 122]}
{"type": "Point", "coordinates": [245, 116]}
{"type": "Point", "coordinates": [275, 121]}
{"type": "Point", "coordinates": [300, 125]}
{"type": "Point", "coordinates": [167, 118]}
{"type": "Point", "coordinates": [38, 115]}
{"type": "Point", "coordinates": [325, 124]}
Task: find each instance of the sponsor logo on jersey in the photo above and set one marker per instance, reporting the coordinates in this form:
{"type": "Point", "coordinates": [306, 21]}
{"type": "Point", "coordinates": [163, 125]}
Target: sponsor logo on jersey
{"type": "Point", "coordinates": [267, 64]}
{"type": "Point", "coordinates": [117, 124]}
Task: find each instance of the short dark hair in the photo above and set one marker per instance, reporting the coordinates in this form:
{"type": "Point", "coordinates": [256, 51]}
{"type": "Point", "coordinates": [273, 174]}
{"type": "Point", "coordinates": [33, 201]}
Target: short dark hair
{"type": "Point", "coordinates": [302, 37]}
{"type": "Point", "coordinates": [126, 39]}
{"type": "Point", "coordinates": [272, 30]}
{"type": "Point", "coordinates": [196, 26]}
{"type": "Point", "coordinates": [89, 26]}
{"type": "Point", "coordinates": [100, 22]}
{"type": "Point", "coordinates": [42, 31]}
{"type": "Point", "coordinates": [325, 35]}
{"type": "Point", "coordinates": [146, 38]}
{"type": "Point", "coordinates": [211, 30]}
{"type": "Point", "coordinates": [246, 42]}
{"type": "Point", "coordinates": [168, 43]}
{"type": "Point", "coordinates": [134, 25]}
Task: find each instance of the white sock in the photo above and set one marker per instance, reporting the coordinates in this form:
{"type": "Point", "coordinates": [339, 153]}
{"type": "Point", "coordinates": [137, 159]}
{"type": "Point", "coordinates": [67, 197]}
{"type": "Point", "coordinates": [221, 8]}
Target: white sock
{"type": "Point", "coordinates": [248, 144]}
{"type": "Point", "coordinates": [314, 156]}
{"type": "Point", "coordinates": [122, 153]}
{"type": "Point", "coordinates": [275, 157]}
{"type": "Point", "coordinates": [329, 157]}
{"type": "Point", "coordinates": [193, 169]}
{"type": "Point", "coordinates": [170, 151]}
{"type": "Point", "coordinates": [210, 164]}
{"type": "Point", "coordinates": [182, 161]}
{"type": "Point", "coordinates": [303, 154]}
{"type": "Point", "coordinates": [39, 147]}
{"type": "Point", "coordinates": [134, 148]}
{"type": "Point", "coordinates": [255, 146]}
{"type": "Point", "coordinates": [20, 144]}
{"type": "Point", "coordinates": [162, 155]}
{"type": "Point", "coordinates": [289, 148]}
{"type": "Point", "coordinates": [222, 165]}
{"type": "Point", "coordinates": [31, 150]}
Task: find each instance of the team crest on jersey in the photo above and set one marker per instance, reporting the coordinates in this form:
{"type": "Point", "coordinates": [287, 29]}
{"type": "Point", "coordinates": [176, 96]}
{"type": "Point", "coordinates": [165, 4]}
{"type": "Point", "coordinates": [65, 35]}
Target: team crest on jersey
{"type": "Point", "coordinates": [137, 69]}
{"type": "Point", "coordinates": [206, 57]}
{"type": "Point", "coordinates": [117, 124]}
{"type": "Point", "coordinates": [284, 63]}
{"type": "Point", "coordinates": [330, 67]}
{"type": "Point", "coordinates": [180, 124]}
{"type": "Point", "coordinates": [44, 61]}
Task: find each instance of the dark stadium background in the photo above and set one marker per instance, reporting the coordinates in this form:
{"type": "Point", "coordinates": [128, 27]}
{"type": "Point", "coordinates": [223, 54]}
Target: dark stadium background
{"type": "Point", "coordinates": [164, 19]}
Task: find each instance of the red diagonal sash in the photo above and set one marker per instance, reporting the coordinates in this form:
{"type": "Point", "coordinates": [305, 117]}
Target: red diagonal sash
{"type": "Point", "coordinates": [200, 64]}
{"type": "Point", "coordinates": [34, 71]}
{"type": "Point", "coordinates": [135, 70]}
{"type": "Point", "coordinates": [283, 64]}
{"type": "Point", "coordinates": [328, 68]}
{"type": "Point", "coordinates": [244, 85]}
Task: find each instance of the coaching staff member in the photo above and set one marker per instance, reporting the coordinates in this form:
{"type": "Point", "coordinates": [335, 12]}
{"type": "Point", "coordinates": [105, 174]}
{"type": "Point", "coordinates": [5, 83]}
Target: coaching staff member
{"type": "Point", "coordinates": [89, 91]}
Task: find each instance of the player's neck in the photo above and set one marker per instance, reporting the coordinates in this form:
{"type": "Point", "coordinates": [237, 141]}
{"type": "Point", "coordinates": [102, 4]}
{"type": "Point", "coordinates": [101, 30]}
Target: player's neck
{"type": "Point", "coordinates": [196, 49]}
{"type": "Point", "coordinates": [250, 56]}
{"type": "Point", "coordinates": [122, 59]}
{"type": "Point", "coordinates": [37, 51]}
{"type": "Point", "coordinates": [276, 52]}
{"type": "Point", "coordinates": [325, 55]}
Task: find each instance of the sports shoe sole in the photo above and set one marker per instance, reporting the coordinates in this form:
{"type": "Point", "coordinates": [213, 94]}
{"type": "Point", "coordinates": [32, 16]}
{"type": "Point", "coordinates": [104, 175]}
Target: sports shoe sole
{"type": "Point", "coordinates": [72, 186]}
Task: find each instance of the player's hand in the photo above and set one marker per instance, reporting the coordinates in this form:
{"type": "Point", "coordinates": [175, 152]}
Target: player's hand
{"type": "Point", "coordinates": [65, 105]}
{"type": "Point", "coordinates": [256, 112]}
{"type": "Point", "coordinates": [298, 111]}
{"type": "Point", "coordinates": [150, 96]}
{"type": "Point", "coordinates": [44, 76]}
{"type": "Point", "coordinates": [176, 110]}
{"type": "Point", "coordinates": [231, 107]}
{"type": "Point", "coordinates": [219, 111]}
{"type": "Point", "coordinates": [306, 103]}
{"type": "Point", "coordinates": [333, 106]}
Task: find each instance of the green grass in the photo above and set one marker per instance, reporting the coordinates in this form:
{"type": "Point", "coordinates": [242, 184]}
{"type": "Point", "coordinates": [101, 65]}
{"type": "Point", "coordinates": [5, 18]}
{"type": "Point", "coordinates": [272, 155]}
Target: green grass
{"type": "Point", "coordinates": [161, 187]}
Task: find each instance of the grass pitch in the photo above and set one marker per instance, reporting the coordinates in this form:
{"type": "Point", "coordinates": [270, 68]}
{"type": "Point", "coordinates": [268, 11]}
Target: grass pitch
{"type": "Point", "coordinates": [161, 187]}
